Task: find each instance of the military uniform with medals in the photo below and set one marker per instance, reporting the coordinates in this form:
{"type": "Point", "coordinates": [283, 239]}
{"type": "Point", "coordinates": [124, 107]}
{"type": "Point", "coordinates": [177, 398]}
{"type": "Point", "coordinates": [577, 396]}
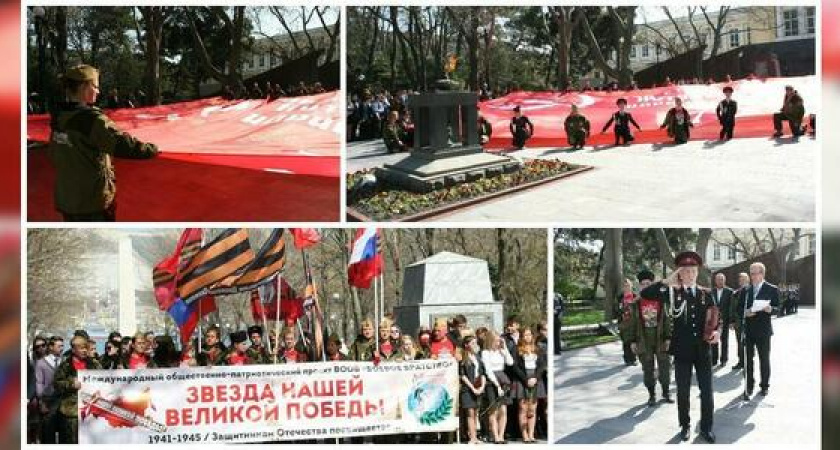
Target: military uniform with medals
{"type": "Point", "coordinates": [650, 331]}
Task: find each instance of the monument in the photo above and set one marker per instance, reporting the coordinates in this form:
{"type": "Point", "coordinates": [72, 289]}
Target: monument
{"type": "Point", "coordinates": [446, 143]}
{"type": "Point", "coordinates": [444, 285]}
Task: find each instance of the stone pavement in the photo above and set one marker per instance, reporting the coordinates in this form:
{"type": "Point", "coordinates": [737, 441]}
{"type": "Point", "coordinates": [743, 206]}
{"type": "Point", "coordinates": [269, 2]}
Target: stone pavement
{"type": "Point", "coordinates": [744, 180]}
{"type": "Point", "coordinates": [597, 399]}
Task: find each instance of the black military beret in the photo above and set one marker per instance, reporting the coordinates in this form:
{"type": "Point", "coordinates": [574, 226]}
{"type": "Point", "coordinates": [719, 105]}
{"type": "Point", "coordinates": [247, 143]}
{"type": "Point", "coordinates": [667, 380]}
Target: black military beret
{"type": "Point", "coordinates": [688, 258]}
{"type": "Point", "coordinates": [237, 337]}
{"type": "Point", "coordinates": [645, 275]}
{"type": "Point", "coordinates": [255, 329]}
{"type": "Point", "coordinates": [516, 108]}
{"type": "Point", "coordinates": [728, 89]}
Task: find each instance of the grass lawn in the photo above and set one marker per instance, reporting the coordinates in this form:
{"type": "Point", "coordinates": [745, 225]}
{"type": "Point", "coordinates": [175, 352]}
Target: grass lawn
{"type": "Point", "coordinates": [583, 317]}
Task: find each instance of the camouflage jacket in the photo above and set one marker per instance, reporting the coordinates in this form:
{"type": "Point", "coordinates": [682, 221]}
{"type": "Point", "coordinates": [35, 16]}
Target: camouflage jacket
{"type": "Point", "coordinates": [65, 376]}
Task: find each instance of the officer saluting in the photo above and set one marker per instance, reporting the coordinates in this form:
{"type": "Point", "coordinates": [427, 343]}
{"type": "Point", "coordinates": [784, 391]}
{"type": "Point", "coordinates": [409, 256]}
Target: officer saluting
{"type": "Point", "coordinates": [82, 143]}
{"type": "Point", "coordinates": [695, 326]}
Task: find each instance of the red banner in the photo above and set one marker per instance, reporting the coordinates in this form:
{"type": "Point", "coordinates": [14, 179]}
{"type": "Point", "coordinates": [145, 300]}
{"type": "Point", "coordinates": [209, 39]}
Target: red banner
{"type": "Point", "coordinates": [757, 101]}
{"type": "Point", "coordinates": [280, 133]}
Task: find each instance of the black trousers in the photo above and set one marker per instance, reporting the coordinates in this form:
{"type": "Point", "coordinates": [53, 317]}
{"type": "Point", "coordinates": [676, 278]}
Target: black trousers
{"type": "Point", "coordinates": [520, 137]}
{"type": "Point", "coordinates": [629, 356]}
{"type": "Point", "coordinates": [720, 352]}
{"type": "Point", "coordinates": [623, 135]}
{"type": "Point", "coordinates": [795, 125]}
{"type": "Point", "coordinates": [727, 130]}
{"type": "Point", "coordinates": [739, 340]}
{"type": "Point", "coordinates": [762, 346]}
{"type": "Point", "coordinates": [558, 325]}
{"type": "Point", "coordinates": [702, 367]}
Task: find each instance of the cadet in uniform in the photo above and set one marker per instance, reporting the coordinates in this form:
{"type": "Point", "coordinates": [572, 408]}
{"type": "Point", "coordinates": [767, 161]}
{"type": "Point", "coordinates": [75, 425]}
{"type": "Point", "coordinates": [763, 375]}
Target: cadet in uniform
{"type": "Point", "coordinates": [393, 134]}
{"type": "Point", "coordinates": [690, 308]}
{"type": "Point", "coordinates": [622, 120]}
{"type": "Point", "coordinates": [238, 354]}
{"type": "Point", "coordinates": [82, 143]}
{"type": "Point", "coordinates": [726, 111]}
{"type": "Point", "coordinates": [521, 128]}
{"type": "Point", "coordinates": [793, 111]}
{"type": "Point", "coordinates": [67, 386]}
{"type": "Point", "coordinates": [650, 336]}
{"type": "Point", "coordinates": [678, 123]}
{"type": "Point", "coordinates": [577, 128]}
{"type": "Point", "coordinates": [257, 351]}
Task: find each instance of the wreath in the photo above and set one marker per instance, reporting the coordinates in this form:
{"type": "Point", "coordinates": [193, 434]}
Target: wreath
{"type": "Point", "coordinates": [440, 413]}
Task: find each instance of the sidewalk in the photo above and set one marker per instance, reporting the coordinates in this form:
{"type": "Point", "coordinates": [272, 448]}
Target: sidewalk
{"type": "Point", "coordinates": [744, 180]}
{"type": "Point", "coordinates": [597, 399]}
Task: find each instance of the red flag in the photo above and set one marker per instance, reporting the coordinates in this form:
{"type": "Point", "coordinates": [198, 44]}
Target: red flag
{"type": "Point", "coordinates": [305, 237]}
{"type": "Point", "coordinates": [166, 271]}
{"type": "Point", "coordinates": [264, 304]}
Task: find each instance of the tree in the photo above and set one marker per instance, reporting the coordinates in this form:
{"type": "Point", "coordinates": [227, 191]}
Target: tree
{"type": "Point", "coordinates": [153, 18]}
{"type": "Point", "coordinates": [235, 37]}
{"type": "Point", "coordinates": [613, 276]}
{"type": "Point", "coordinates": [622, 29]}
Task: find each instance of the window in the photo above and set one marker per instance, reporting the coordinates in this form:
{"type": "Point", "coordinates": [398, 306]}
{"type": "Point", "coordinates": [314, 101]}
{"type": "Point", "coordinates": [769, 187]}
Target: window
{"type": "Point", "coordinates": [811, 20]}
{"type": "Point", "coordinates": [273, 60]}
{"type": "Point", "coordinates": [812, 244]}
{"type": "Point", "coordinates": [734, 38]}
{"type": "Point", "coordinates": [731, 253]}
{"type": "Point", "coordinates": [250, 62]}
{"type": "Point", "coordinates": [645, 51]}
{"type": "Point", "coordinates": [262, 60]}
{"type": "Point", "coordinates": [716, 255]}
{"type": "Point", "coordinates": [658, 50]}
{"type": "Point", "coordinates": [791, 22]}
{"type": "Point", "coordinates": [633, 51]}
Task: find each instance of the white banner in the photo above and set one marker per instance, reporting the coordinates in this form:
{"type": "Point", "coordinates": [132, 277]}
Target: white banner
{"type": "Point", "coordinates": [264, 403]}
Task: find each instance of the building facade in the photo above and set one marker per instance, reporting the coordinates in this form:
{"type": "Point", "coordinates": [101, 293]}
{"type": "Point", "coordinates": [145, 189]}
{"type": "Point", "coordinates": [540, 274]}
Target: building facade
{"type": "Point", "coordinates": [723, 252]}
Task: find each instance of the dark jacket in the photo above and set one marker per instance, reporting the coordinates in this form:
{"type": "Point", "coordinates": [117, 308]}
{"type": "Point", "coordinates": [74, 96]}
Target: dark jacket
{"type": "Point", "coordinates": [687, 335]}
{"type": "Point", "coordinates": [724, 304]}
{"type": "Point", "coordinates": [82, 143]}
{"type": "Point", "coordinates": [759, 325]}
{"type": "Point", "coordinates": [65, 376]}
{"type": "Point", "coordinates": [519, 371]}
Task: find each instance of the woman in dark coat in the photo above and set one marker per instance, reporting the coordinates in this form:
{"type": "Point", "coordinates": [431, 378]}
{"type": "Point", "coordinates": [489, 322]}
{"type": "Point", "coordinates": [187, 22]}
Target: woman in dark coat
{"type": "Point", "coordinates": [528, 388]}
{"type": "Point", "coordinates": [473, 382]}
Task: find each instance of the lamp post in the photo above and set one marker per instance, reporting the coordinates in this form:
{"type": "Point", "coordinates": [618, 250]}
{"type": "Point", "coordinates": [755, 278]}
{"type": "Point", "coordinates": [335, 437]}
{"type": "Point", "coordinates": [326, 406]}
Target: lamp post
{"type": "Point", "coordinates": [40, 14]}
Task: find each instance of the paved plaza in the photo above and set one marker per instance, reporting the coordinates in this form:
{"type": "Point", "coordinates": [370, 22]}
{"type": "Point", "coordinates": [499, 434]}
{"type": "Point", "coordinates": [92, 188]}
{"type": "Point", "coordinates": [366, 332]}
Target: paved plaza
{"type": "Point", "coordinates": [744, 180]}
{"type": "Point", "coordinates": [597, 399]}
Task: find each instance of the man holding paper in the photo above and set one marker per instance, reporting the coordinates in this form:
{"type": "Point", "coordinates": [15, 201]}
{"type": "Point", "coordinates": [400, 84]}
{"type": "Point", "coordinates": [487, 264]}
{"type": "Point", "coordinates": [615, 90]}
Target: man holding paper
{"type": "Point", "coordinates": [761, 297]}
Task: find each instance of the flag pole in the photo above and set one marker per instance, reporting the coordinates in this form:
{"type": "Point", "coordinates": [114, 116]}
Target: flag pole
{"type": "Point", "coordinates": [264, 320]}
{"type": "Point", "coordinates": [279, 290]}
{"type": "Point", "coordinates": [376, 319]}
{"type": "Point", "coordinates": [200, 317]}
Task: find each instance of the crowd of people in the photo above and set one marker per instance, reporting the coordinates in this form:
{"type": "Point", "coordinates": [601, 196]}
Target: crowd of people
{"type": "Point", "coordinates": [272, 91]}
{"type": "Point", "coordinates": [503, 376]}
{"type": "Point", "coordinates": [676, 323]}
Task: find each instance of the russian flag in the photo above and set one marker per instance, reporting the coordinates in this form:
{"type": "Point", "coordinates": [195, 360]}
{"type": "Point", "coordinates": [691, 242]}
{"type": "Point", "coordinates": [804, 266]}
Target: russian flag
{"type": "Point", "coordinates": [186, 315]}
{"type": "Point", "coordinates": [366, 261]}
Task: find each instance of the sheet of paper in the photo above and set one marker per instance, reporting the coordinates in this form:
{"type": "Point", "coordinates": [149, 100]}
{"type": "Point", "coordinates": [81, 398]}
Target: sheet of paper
{"type": "Point", "coordinates": [759, 305]}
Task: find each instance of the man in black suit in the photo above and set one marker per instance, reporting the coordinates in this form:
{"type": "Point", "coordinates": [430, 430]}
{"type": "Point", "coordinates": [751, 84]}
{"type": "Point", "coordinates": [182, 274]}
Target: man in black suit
{"type": "Point", "coordinates": [689, 305]}
{"type": "Point", "coordinates": [722, 296]}
{"type": "Point", "coordinates": [758, 327]}
{"type": "Point", "coordinates": [736, 316]}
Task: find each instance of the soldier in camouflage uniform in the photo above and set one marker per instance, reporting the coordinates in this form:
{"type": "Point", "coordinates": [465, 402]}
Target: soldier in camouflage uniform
{"type": "Point", "coordinates": [393, 134]}
{"type": "Point", "coordinates": [257, 351]}
{"type": "Point", "coordinates": [577, 129]}
{"type": "Point", "coordinates": [67, 385]}
{"type": "Point", "coordinates": [364, 348]}
{"type": "Point", "coordinates": [82, 143]}
{"type": "Point", "coordinates": [649, 332]}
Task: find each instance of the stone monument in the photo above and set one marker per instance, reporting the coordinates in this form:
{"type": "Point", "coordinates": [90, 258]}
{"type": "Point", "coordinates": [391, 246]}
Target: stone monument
{"type": "Point", "coordinates": [444, 285]}
{"type": "Point", "coordinates": [446, 143]}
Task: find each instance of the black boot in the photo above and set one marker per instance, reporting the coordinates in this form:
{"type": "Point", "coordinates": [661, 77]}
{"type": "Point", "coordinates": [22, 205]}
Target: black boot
{"type": "Point", "coordinates": [666, 396]}
{"type": "Point", "coordinates": [652, 398]}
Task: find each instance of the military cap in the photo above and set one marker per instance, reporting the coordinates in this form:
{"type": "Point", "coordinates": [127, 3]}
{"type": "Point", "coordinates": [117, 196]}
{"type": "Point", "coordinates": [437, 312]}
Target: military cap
{"type": "Point", "coordinates": [255, 329]}
{"type": "Point", "coordinates": [237, 337]}
{"type": "Point", "coordinates": [645, 275]}
{"type": "Point", "coordinates": [621, 101]}
{"type": "Point", "coordinates": [728, 89]}
{"type": "Point", "coordinates": [82, 72]}
{"type": "Point", "coordinates": [688, 258]}
{"type": "Point", "coordinates": [516, 108]}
